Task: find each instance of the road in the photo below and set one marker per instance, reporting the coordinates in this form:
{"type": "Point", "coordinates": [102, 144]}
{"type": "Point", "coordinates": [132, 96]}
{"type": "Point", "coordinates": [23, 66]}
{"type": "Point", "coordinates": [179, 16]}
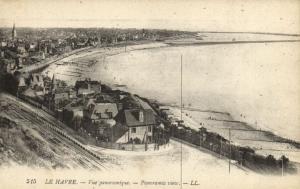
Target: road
{"type": "Point", "coordinates": [50, 60]}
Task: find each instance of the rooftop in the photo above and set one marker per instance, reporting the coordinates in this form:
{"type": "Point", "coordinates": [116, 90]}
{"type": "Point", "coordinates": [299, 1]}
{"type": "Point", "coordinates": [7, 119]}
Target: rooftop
{"type": "Point", "coordinates": [131, 118]}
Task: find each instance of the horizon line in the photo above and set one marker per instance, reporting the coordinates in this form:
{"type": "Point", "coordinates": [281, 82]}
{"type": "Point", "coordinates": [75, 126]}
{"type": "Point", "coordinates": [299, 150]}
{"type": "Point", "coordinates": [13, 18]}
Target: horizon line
{"type": "Point", "coordinates": [140, 28]}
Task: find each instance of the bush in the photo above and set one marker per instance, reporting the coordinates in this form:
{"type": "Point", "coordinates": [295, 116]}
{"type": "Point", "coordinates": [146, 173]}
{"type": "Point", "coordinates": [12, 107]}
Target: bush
{"type": "Point", "coordinates": [137, 140]}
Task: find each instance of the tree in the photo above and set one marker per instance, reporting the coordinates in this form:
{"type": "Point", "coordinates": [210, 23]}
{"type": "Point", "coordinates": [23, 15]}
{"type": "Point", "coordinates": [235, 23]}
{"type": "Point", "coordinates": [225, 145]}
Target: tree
{"type": "Point", "coordinates": [8, 83]}
{"type": "Point", "coordinates": [284, 160]}
{"type": "Point", "coordinates": [270, 160]}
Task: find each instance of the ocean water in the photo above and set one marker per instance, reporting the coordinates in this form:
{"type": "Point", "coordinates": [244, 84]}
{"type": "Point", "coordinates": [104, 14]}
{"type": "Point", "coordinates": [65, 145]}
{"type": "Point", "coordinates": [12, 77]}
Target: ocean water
{"type": "Point", "coordinates": [256, 83]}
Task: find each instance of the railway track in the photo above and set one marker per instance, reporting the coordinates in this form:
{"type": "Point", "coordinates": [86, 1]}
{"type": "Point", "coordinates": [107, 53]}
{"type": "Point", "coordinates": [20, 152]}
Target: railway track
{"type": "Point", "coordinates": [24, 115]}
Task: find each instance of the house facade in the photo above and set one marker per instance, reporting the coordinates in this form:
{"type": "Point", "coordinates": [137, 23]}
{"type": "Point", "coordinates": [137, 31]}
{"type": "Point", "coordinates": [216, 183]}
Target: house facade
{"type": "Point", "coordinates": [36, 80]}
{"type": "Point", "coordinates": [87, 87]}
{"type": "Point", "coordinates": [98, 112]}
{"type": "Point", "coordinates": [140, 125]}
{"type": "Point", "coordinates": [99, 118]}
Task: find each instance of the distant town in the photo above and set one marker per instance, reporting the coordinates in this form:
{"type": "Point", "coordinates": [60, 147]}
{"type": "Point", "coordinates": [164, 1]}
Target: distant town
{"type": "Point", "coordinates": [29, 46]}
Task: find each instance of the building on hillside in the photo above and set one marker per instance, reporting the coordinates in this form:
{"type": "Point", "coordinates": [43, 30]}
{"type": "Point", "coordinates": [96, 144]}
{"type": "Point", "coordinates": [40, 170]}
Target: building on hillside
{"type": "Point", "coordinates": [72, 93]}
{"type": "Point", "coordinates": [139, 119]}
{"type": "Point", "coordinates": [87, 87]}
{"type": "Point", "coordinates": [60, 98]}
{"type": "Point", "coordinates": [59, 94]}
{"type": "Point", "coordinates": [36, 80]}
{"type": "Point", "coordinates": [99, 119]}
{"type": "Point", "coordinates": [97, 112]}
{"type": "Point", "coordinates": [22, 85]}
{"type": "Point", "coordinates": [140, 125]}
{"type": "Point", "coordinates": [3, 43]}
{"type": "Point", "coordinates": [21, 49]}
{"type": "Point", "coordinates": [32, 47]}
{"type": "Point", "coordinates": [39, 91]}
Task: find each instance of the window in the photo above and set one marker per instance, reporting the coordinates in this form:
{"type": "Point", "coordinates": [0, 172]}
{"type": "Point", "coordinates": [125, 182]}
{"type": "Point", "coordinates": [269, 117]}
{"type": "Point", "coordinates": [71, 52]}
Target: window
{"type": "Point", "coordinates": [133, 130]}
{"type": "Point", "coordinates": [98, 114]}
{"type": "Point", "coordinates": [109, 115]}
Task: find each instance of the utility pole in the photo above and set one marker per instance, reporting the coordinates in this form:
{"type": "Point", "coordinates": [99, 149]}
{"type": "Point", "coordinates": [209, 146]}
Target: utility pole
{"type": "Point", "coordinates": [158, 141]}
{"type": "Point", "coordinates": [220, 147]}
{"type": "Point", "coordinates": [181, 120]}
{"type": "Point", "coordinates": [125, 42]}
{"type": "Point", "coordinates": [146, 138]}
{"type": "Point", "coordinates": [112, 136]}
{"type": "Point", "coordinates": [229, 150]}
{"type": "Point", "coordinates": [282, 165]}
{"type": "Point", "coordinates": [146, 142]}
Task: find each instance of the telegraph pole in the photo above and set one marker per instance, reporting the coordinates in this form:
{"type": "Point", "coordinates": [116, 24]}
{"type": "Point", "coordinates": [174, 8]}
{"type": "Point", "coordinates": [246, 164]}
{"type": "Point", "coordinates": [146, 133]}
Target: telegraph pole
{"type": "Point", "coordinates": [229, 150]}
{"type": "Point", "coordinates": [220, 147]}
{"type": "Point", "coordinates": [181, 120]}
{"type": "Point", "coordinates": [125, 42]}
{"type": "Point", "coordinates": [112, 136]}
{"type": "Point", "coordinates": [282, 165]}
{"type": "Point", "coordinates": [146, 144]}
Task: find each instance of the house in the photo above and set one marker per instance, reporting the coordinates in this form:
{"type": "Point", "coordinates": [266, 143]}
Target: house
{"type": "Point", "coordinates": [22, 85]}
{"type": "Point", "coordinates": [3, 44]}
{"type": "Point", "coordinates": [87, 87]}
{"type": "Point", "coordinates": [99, 119]}
{"type": "Point", "coordinates": [72, 93]}
{"type": "Point", "coordinates": [36, 80]}
{"type": "Point", "coordinates": [39, 91]}
{"type": "Point", "coordinates": [139, 119]}
{"type": "Point", "coordinates": [100, 111]}
{"type": "Point", "coordinates": [59, 93]}
{"type": "Point", "coordinates": [60, 97]}
{"type": "Point", "coordinates": [140, 125]}
{"type": "Point", "coordinates": [21, 48]}
{"type": "Point", "coordinates": [32, 46]}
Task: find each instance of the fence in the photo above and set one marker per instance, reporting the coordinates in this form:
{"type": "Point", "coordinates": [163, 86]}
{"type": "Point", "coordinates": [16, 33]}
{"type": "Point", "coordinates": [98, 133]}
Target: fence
{"type": "Point", "coordinates": [126, 147]}
{"type": "Point", "coordinates": [243, 155]}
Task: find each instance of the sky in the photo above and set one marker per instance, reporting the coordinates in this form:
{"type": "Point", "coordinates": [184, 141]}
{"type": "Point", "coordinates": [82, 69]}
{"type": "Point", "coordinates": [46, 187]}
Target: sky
{"type": "Point", "coordinates": [206, 15]}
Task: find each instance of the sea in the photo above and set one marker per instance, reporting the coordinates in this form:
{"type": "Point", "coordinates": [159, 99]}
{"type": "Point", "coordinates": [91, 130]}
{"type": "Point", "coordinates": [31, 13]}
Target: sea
{"type": "Point", "coordinates": [255, 82]}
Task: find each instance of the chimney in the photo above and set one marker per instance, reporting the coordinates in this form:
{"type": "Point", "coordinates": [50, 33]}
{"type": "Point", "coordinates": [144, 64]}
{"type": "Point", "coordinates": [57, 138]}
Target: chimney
{"type": "Point", "coordinates": [141, 116]}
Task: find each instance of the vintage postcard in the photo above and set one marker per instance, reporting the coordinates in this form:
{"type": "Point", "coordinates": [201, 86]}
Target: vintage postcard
{"type": "Point", "coordinates": [149, 94]}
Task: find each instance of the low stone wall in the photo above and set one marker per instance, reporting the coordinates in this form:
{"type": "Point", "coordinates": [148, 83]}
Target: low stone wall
{"type": "Point", "coordinates": [126, 147]}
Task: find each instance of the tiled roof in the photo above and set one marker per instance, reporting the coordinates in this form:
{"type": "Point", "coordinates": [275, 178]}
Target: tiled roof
{"type": "Point", "coordinates": [142, 103]}
{"type": "Point", "coordinates": [102, 109]}
{"type": "Point", "coordinates": [132, 118]}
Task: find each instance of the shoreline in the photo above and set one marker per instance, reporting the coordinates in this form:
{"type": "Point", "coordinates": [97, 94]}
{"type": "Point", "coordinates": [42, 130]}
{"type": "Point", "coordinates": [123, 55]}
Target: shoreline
{"type": "Point", "coordinates": [111, 51]}
{"type": "Point", "coordinates": [187, 124]}
{"type": "Point", "coordinates": [206, 43]}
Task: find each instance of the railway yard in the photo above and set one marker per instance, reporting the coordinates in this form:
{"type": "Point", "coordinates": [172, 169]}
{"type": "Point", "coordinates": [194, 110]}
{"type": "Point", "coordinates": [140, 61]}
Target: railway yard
{"type": "Point", "coordinates": [40, 139]}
